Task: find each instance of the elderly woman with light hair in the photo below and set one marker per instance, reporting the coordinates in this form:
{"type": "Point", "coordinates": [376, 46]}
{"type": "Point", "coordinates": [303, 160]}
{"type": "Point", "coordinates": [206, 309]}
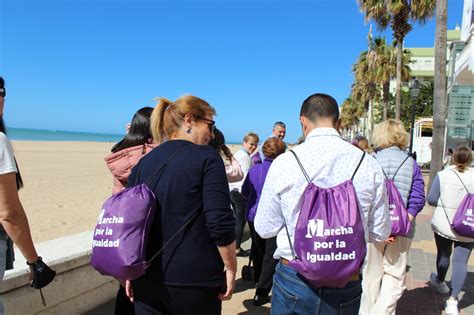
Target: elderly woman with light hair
{"type": "Point", "coordinates": [384, 274]}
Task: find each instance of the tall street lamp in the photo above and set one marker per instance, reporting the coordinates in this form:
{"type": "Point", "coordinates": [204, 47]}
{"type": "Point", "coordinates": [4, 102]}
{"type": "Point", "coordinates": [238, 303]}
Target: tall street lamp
{"type": "Point", "coordinates": [414, 92]}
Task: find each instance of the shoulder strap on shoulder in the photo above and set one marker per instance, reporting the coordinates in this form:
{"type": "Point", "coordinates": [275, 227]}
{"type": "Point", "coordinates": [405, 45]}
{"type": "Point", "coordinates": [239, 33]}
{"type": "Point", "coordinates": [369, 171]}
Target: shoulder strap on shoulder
{"type": "Point", "coordinates": [358, 165]}
{"type": "Point", "coordinates": [301, 166]}
{"type": "Point", "coordinates": [150, 179]}
{"type": "Point", "coordinates": [395, 174]}
{"type": "Point", "coordinates": [461, 181]}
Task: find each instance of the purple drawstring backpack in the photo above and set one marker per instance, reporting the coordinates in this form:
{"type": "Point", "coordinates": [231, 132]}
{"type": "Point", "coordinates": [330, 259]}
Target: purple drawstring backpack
{"type": "Point", "coordinates": [120, 236]}
{"type": "Point", "coordinates": [329, 242]}
{"type": "Point", "coordinates": [398, 212]}
{"type": "Point", "coordinates": [463, 221]}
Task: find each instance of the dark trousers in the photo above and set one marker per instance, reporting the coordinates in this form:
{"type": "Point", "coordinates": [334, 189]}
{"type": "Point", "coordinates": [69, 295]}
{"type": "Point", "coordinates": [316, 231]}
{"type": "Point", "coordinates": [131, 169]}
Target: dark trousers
{"type": "Point", "coordinates": [123, 306]}
{"type": "Point", "coordinates": [264, 264]}
{"type": "Point", "coordinates": [239, 204]}
{"type": "Point", "coordinates": [462, 251]}
{"type": "Point", "coordinates": [185, 301]}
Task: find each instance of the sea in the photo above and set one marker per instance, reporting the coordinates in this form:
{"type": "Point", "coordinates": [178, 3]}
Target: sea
{"type": "Point", "coordinates": [58, 135]}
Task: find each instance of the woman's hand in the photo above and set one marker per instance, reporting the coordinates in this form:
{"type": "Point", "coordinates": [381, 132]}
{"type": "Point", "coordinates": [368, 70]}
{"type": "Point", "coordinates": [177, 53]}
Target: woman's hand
{"type": "Point", "coordinates": [230, 262]}
{"type": "Point", "coordinates": [230, 286]}
{"type": "Point", "coordinates": [411, 218]}
{"type": "Point", "coordinates": [128, 290]}
{"type": "Point", "coordinates": [390, 239]}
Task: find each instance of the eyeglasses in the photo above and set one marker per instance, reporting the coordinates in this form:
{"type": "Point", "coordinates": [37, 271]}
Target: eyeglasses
{"type": "Point", "coordinates": [3, 92]}
{"type": "Point", "coordinates": [211, 123]}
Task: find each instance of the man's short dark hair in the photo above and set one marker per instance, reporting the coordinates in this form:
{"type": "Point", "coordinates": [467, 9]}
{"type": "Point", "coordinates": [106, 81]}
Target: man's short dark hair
{"type": "Point", "coordinates": [320, 106]}
{"type": "Point", "coordinates": [279, 123]}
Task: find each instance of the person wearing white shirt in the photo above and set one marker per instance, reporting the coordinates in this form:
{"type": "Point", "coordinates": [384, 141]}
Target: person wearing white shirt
{"type": "Point", "coordinates": [249, 145]}
{"type": "Point", "coordinates": [329, 161]}
{"type": "Point", "coordinates": [14, 227]}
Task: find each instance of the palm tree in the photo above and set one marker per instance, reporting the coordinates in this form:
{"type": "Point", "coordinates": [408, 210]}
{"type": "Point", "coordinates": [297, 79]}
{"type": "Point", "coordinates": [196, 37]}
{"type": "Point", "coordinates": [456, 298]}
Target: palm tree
{"type": "Point", "coordinates": [397, 14]}
{"type": "Point", "coordinates": [351, 111]}
{"type": "Point", "coordinates": [365, 88]}
{"type": "Point", "coordinates": [439, 107]}
{"type": "Point", "coordinates": [385, 70]}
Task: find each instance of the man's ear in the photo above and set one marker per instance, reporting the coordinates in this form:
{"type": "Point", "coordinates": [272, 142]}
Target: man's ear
{"type": "Point", "coordinates": [304, 125]}
{"type": "Point", "coordinates": [338, 125]}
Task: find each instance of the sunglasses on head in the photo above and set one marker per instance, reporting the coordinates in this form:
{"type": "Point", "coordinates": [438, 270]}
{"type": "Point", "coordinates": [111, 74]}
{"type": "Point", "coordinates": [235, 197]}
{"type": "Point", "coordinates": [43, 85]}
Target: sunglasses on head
{"type": "Point", "coordinates": [3, 92]}
{"type": "Point", "coordinates": [210, 123]}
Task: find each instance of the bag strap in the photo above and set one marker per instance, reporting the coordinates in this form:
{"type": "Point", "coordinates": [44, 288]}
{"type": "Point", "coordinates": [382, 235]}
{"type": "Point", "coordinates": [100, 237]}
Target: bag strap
{"type": "Point", "coordinates": [444, 209]}
{"type": "Point", "coordinates": [173, 237]}
{"type": "Point", "coordinates": [395, 174]}
{"type": "Point", "coordinates": [151, 178]}
{"type": "Point", "coordinates": [289, 238]}
{"type": "Point", "coordinates": [358, 165]}
{"type": "Point", "coordinates": [148, 182]}
{"type": "Point", "coordinates": [461, 181]}
{"type": "Point", "coordinates": [301, 166]}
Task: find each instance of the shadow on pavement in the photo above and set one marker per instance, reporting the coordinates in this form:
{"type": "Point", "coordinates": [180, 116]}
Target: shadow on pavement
{"type": "Point", "coordinates": [243, 285]}
{"type": "Point", "coordinates": [468, 297]}
{"type": "Point", "coordinates": [255, 310]}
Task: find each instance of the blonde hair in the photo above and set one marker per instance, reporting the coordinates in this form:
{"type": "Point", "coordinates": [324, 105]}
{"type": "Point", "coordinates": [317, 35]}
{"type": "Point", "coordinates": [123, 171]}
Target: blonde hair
{"type": "Point", "coordinates": [462, 158]}
{"type": "Point", "coordinates": [390, 133]}
{"type": "Point", "coordinates": [251, 135]}
{"type": "Point", "coordinates": [167, 117]}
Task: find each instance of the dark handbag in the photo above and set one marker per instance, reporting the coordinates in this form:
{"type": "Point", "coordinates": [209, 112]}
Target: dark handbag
{"type": "Point", "coordinates": [248, 272]}
{"type": "Point", "coordinates": [42, 276]}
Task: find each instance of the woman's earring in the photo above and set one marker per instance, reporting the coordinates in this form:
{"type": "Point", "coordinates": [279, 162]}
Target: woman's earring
{"type": "Point", "coordinates": [189, 131]}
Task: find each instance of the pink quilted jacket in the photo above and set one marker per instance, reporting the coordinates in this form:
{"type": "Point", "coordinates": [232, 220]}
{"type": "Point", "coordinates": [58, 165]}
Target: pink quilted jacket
{"type": "Point", "coordinates": [121, 163]}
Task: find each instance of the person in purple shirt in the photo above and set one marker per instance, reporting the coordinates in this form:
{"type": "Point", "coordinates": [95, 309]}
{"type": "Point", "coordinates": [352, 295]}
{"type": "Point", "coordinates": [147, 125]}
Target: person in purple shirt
{"type": "Point", "coordinates": [262, 249]}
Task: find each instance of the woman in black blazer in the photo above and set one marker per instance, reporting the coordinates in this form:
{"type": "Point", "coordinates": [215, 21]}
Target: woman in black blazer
{"type": "Point", "coordinates": [196, 271]}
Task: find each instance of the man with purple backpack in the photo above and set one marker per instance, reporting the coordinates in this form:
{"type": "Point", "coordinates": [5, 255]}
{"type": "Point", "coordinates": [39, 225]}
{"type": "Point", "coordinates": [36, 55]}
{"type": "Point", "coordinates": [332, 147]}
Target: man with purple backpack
{"type": "Point", "coordinates": [323, 200]}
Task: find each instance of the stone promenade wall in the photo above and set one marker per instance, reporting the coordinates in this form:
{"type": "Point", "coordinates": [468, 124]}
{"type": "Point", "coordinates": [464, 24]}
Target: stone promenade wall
{"type": "Point", "coordinates": [76, 289]}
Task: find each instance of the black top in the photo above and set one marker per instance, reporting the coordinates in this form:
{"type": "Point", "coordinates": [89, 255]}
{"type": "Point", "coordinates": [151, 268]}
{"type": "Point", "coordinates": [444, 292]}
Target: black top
{"type": "Point", "coordinates": [193, 180]}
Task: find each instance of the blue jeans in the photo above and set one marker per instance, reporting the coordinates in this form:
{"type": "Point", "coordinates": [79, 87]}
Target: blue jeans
{"type": "Point", "coordinates": [3, 265]}
{"type": "Point", "coordinates": [292, 295]}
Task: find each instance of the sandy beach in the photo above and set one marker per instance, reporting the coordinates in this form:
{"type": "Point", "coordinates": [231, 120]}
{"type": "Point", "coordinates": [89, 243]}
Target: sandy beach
{"type": "Point", "coordinates": [65, 185]}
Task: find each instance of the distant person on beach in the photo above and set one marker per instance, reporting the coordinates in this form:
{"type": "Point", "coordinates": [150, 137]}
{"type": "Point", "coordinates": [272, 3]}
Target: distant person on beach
{"type": "Point", "coordinates": [449, 188]}
{"type": "Point", "coordinates": [125, 155]}
{"type": "Point", "coordinates": [128, 151]}
{"type": "Point", "coordinates": [196, 272]}
{"type": "Point", "coordinates": [249, 145]}
{"type": "Point", "coordinates": [232, 168]}
{"type": "Point", "coordinates": [327, 161]}
{"type": "Point", "coordinates": [278, 131]}
{"type": "Point", "coordinates": [385, 271]}
{"type": "Point", "coordinates": [262, 250]}
{"type": "Point", "coordinates": [14, 227]}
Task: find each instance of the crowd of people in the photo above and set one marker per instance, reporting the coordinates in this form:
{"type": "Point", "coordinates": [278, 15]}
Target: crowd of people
{"type": "Point", "coordinates": [331, 225]}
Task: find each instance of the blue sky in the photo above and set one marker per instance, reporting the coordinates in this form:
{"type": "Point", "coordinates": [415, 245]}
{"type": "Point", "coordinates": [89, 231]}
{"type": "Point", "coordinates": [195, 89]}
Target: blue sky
{"type": "Point", "coordinates": [81, 65]}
